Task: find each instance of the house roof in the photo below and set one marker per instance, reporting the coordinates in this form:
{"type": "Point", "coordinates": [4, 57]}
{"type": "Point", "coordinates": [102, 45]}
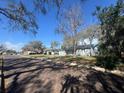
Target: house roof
{"type": "Point", "coordinates": [81, 47]}
{"type": "Point", "coordinates": [54, 50]}
{"type": "Point", "coordinates": [84, 47]}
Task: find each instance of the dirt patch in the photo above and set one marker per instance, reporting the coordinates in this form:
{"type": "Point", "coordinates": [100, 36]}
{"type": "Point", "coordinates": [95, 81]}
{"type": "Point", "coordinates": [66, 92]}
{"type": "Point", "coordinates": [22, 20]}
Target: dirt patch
{"type": "Point", "coordinates": [42, 76]}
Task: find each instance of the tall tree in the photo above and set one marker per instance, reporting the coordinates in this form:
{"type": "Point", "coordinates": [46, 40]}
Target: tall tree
{"type": "Point", "coordinates": [2, 48]}
{"type": "Point", "coordinates": [111, 20]}
{"type": "Point", "coordinates": [91, 32]}
{"type": "Point", "coordinates": [67, 42]}
{"type": "Point", "coordinates": [54, 44]}
{"type": "Point", "coordinates": [69, 24]}
{"type": "Point", "coordinates": [112, 34]}
{"type": "Point", "coordinates": [36, 46]}
{"type": "Point", "coordinates": [11, 52]}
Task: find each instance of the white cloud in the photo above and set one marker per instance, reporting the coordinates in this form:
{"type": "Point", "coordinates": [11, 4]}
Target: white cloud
{"type": "Point", "coordinates": [14, 46]}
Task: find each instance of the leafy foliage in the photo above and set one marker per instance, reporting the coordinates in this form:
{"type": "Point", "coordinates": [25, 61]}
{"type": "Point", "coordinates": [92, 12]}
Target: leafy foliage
{"type": "Point", "coordinates": [91, 32]}
{"type": "Point", "coordinates": [20, 17]}
{"type": "Point", "coordinates": [108, 62]}
{"type": "Point", "coordinates": [43, 5]}
{"type": "Point", "coordinates": [112, 32]}
{"type": "Point", "coordinates": [11, 52]}
{"type": "Point", "coordinates": [36, 46]}
{"type": "Point", "coordinates": [2, 48]}
{"type": "Point", "coordinates": [112, 20]}
{"type": "Point", "coordinates": [67, 42]}
{"type": "Point", "coordinates": [23, 18]}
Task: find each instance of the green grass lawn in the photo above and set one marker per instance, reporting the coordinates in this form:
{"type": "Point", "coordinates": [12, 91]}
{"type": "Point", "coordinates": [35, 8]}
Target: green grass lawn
{"type": "Point", "coordinates": [78, 58]}
{"type": "Point", "coordinates": [64, 58]}
{"type": "Point", "coordinates": [42, 56]}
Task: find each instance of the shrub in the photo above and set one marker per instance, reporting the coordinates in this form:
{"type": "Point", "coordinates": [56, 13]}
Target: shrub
{"type": "Point", "coordinates": [108, 62]}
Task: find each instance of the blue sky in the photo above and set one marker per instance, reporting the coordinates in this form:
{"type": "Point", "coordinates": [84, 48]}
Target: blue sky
{"type": "Point", "coordinates": [47, 24]}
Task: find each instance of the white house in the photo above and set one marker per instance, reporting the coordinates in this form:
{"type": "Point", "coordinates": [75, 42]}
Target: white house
{"type": "Point", "coordinates": [62, 53]}
{"type": "Point", "coordinates": [28, 52]}
{"type": "Point", "coordinates": [51, 51]}
{"type": "Point", "coordinates": [84, 48]}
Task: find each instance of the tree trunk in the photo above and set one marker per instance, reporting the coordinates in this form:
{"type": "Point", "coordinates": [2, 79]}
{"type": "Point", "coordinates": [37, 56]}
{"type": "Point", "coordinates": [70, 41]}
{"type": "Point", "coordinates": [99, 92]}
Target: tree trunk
{"type": "Point", "coordinates": [74, 51]}
{"type": "Point", "coordinates": [74, 47]}
{"type": "Point", "coordinates": [90, 47]}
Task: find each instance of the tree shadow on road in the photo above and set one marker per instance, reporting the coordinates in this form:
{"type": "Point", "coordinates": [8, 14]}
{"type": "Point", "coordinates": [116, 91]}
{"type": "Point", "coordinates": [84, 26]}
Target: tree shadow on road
{"type": "Point", "coordinates": [94, 82]}
{"type": "Point", "coordinates": [33, 67]}
{"type": "Point", "coordinates": [71, 84]}
{"type": "Point", "coordinates": [32, 76]}
{"type": "Point", "coordinates": [18, 86]}
{"type": "Point", "coordinates": [105, 82]}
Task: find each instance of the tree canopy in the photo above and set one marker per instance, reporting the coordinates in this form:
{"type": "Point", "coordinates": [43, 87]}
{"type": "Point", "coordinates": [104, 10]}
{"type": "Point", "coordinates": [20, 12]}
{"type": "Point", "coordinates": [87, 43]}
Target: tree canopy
{"type": "Point", "coordinates": [111, 20]}
{"type": "Point", "coordinates": [91, 32]}
{"type": "Point", "coordinates": [70, 22]}
{"type": "Point", "coordinates": [2, 48]}
{"type": "Point", "coordinates": [36, 46]}
{"type": "Point", "coordinates": [54, 44]}
{"type": "Point", "coordinates": [111, 45]}
{"type": "Point", "coordinates": [21, 17]}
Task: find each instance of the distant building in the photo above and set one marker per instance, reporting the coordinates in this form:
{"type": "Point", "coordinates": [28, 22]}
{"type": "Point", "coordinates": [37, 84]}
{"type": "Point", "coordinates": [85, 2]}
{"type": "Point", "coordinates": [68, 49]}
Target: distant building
{"type": "Point", "coordinates": [8, 52]}
{"type": "Point", "coordinates": [28, 52]}
{"type": "Point", "coordinates": [62, 53]}
{"type": "Point", "coordinates": [84, 48]}
{"type": "Point", "coordinates": [51, 51]}
{"type": "Point", "coordinates": [59, 52]}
